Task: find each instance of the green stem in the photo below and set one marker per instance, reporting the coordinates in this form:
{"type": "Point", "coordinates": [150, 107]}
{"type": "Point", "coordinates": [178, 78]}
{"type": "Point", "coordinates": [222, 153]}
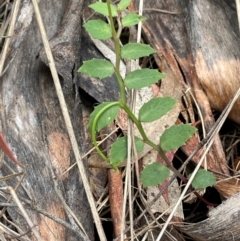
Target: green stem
{"type": "Point", "coordinates": [138, 124]}
{"type": "Point", "coordinates": [94, 127]}
{"type": "Point", "coordinates": [135, 120]}
{"type": "Point", "coordinates": [150, 143]}
{"type": "Point", "coordinates": [118, 55]}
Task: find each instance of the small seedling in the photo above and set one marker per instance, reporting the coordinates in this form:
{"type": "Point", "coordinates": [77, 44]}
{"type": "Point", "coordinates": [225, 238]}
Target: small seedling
{"type": "Point", "coordinates": [105, 113]}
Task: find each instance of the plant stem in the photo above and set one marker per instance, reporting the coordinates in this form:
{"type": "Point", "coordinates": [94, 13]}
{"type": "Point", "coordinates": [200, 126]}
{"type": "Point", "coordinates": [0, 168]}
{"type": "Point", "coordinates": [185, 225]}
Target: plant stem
{"type": "Point", "coordinates": [150, 143]}
{"type": "Point", "coordinates": [160, 151]}
{"type": "Point", "coordinates": [118, 56]}
{"type": "Point", "coordinates": [125, 107]}
{"type": "Point", "coordinates": [94, 127]}
{"type": "Point", "coordinates": [135, 120]}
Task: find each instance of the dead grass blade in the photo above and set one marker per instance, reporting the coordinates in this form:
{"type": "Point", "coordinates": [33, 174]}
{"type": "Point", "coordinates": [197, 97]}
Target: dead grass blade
{"type": "Point", "coordinates": [16, 7]}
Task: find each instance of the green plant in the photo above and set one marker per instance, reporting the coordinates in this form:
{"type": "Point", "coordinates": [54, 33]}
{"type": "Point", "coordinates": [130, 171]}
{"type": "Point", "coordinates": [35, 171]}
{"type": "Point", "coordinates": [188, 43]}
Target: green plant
{"type": "Point", "coordinates": [105, 113]}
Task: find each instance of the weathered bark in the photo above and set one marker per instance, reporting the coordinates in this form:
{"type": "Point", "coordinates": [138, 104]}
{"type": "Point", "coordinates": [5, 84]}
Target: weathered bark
{"type": "Point", "coordinates": [222, 224]}
{"type": "Point", "coordinates": [33, 125]}
{"type": "Point", "coordinates": [214, 36]}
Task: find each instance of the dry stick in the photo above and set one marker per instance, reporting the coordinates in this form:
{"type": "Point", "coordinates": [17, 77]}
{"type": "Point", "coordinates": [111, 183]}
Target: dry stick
{"type": "Point", "coordinates": [68, 210]}
{"type": "Point", "coordinates": [10, 33]}
{"type": "Point", "coordinates": [16, 227]}
{"type": "Point", "coordinates": [151, 224]}
{"type": "Point", "coordinates": [16, 188]}
{"type": "Point", "coordinates": [128, 184]}
{"type": "Point", "coordinates": [19, 237]}
{"type": "Point", "coordinates": [161, 11]}
{"type": "Point", "coordinates": [30, 206]}
{"type": "Point", "coordinates": [8, 205]}
{"type": "Point", "coordinates": [4, 28]}
{"type": "Point", "coordinates": [139, 33]}
{"type": "Point", "coordinates": [201, 118]}
{"type": "Point", "coordinates": [115, 188]}
{"type": "Point", "coordinates": [131, 141]}
{"type": "Point", "coordinates": [23, 211]}
{"type": "Point", "coordinates": [238, 11]}
{"type": "Point", "coordinates": [5, 14]}
{"type": "Point", "coordinates": [131, 65]}
{"type": "Point", "coordinates": [5, 178]}
{"type": "Point", "coordinates": [10, 232]}
{"type": "Point", "coordinates": [68, 123]}
{"type": "Point", "coordinates": [149, 205]}
{"type": "Point", "coordinates": [86, 154]}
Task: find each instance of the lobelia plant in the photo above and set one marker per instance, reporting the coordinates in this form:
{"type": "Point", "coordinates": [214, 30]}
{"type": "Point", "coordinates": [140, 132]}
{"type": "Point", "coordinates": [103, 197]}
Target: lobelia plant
{"type": "Point", "coordinates": [105, 113]}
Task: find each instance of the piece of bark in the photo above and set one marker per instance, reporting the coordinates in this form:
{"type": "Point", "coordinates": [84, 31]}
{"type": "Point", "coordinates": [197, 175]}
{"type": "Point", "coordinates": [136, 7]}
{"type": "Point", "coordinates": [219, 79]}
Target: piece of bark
{"type": "Point", "coordinates": [215, 47]}
{"type": "Point", "coordinates": [104, 90]}
{"type": "Point", "coordinates": [222, 224]}
{"type": "Point", "coordinates": [227, 186]}
{"type": "Point", "coordinates": [115, 186]}
{"type": "Point", "coordinates": [34, 128]}
{"type": "Point", "coordinates": [116, 199]}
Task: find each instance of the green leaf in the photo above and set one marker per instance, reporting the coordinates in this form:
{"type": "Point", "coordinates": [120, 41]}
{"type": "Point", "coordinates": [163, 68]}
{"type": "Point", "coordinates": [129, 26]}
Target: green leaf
{"type": "Point", "coordinates": [98, 29]}
{"type": "Point", "coordinates": [176, 136]}
{"type": "Point", "coordinates": [118, 151]}
{"type": "Point", "coordinates": [132, 19]}
{"type": "Point", "coordinates": [156, 108]}
{"type": "Point", "coordinates": [102, 8]}
{"type": "Point", "coordinates": [142, 78]}
{"type": "Point", "coordinates": [123, 4]}
{"type": "Point", "coordinates": [203, 179]}
{"type": "Point", "coordinates": [154, 174]}
{"type": "Point", "coordinates": [136, 50]}
{"type": "Point", "coordinates": [106, 118]}
{"type": "Point", "coordinates": [99, 68]}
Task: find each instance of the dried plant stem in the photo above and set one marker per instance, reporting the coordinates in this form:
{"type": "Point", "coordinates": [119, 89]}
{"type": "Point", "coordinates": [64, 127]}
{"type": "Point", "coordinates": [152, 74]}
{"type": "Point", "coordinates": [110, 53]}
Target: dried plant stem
{"type": "Point", "coordinates": [9, 34]}
{"type": "Point", "coordinates": [16, 188]}
{"type": "Point", "coordinates": [23, 211]}
{"type": "Point", "coordinates": [238, 11]}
